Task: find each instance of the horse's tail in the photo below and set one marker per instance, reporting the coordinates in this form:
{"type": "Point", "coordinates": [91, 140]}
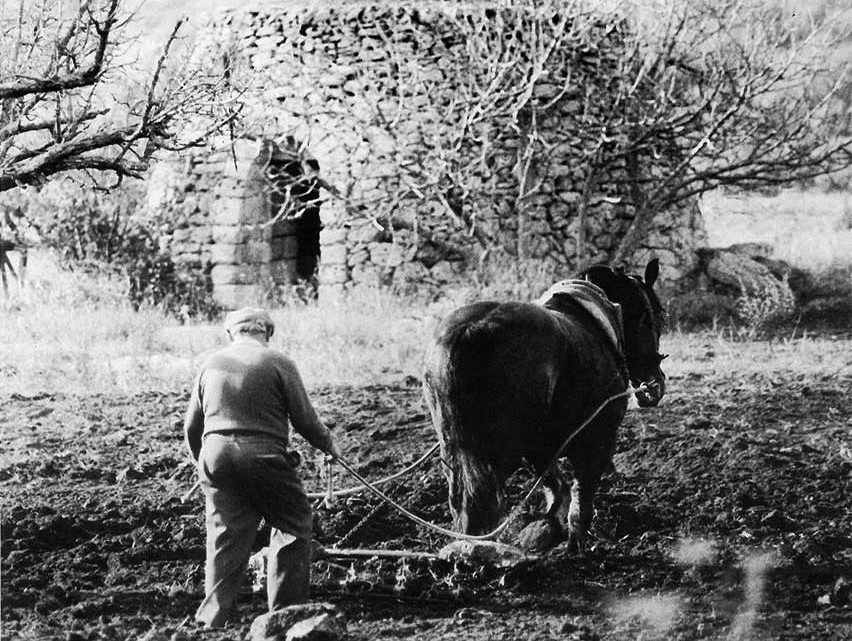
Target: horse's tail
{"type": "Point", "coordinates": [458, 369]}
{"type": "Point", "coordinates": [458, 402]}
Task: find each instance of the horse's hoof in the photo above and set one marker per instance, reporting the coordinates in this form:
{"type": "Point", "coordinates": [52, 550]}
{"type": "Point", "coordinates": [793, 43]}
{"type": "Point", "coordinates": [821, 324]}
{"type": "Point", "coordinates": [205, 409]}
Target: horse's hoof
{"type": "Point", "coordinates": [538, 536]}
{"type": "Point", "coordinates": [577, 542]}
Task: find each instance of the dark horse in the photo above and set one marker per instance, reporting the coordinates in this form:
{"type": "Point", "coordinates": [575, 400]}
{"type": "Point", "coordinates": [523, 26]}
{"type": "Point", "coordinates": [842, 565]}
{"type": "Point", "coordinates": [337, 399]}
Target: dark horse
{"type": "Point", "coordinates": [510, 381]}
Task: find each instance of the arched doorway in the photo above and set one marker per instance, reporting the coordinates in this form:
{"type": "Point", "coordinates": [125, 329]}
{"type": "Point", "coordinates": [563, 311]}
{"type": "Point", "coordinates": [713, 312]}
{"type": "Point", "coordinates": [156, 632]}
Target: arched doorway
{"type": "Point", "coordinates": [293, 177]}
{"type": "Point", "coordinates": [281, 203]}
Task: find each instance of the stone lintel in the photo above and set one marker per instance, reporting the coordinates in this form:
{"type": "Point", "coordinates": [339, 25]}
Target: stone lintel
{"type": "Point", "coordinates": [236, 296]}
{"type": "Point", "coordinates": [235, 234]}
{"type": "Point", "coordinates": [235, 274]}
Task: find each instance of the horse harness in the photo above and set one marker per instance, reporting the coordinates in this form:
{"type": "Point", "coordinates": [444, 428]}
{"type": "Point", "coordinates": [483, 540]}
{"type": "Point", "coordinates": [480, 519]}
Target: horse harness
{"type": "Point", "coordinates": [606, 314]}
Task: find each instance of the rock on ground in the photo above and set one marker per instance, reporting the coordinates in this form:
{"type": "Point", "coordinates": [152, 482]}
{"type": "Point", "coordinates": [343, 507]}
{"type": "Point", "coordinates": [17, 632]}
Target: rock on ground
{"type": "Point", "coordinates": [538, 536]}
{"type": "Point", "coordinates": [323, 627]}
{"type": "Point", "coordinates": [483, 553]}
{"type": "Point", "coordinates": [308, 621]}
{"type": "Point", "coordinates": [741, 272]}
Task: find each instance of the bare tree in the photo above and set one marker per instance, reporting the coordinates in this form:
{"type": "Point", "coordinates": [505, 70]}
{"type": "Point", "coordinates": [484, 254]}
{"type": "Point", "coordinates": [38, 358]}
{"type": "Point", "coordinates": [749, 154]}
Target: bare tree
{"type": "Point", "coordinates": [683, 98]}
{"type": "Point", "coordinates": [69, 102]}
{"type": "Point", "coordinates": [728, 94]}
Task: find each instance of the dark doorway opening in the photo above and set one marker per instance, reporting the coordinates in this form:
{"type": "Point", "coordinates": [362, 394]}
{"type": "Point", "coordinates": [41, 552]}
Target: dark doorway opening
{"type": "Point", "coordinates": [295, 202]}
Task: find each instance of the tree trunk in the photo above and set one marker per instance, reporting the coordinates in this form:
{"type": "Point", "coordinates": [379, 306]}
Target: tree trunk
{"type": "Point", "coordinates": [644, 214]}
{"type": "Point", "coordinates": [589, 186]}
{"type": "Point", "coordinates": [22, 267]}
{"type": "Point", "coordinates": [3, 261]}
{"type": "Point", "coordinates": [636, 233]}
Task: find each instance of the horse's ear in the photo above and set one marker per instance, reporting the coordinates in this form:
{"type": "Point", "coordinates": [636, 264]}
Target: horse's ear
{"type": "Point", "coordinates": [652, 271]}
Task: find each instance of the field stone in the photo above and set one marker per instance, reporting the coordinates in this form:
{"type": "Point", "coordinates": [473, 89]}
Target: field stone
{"type": "Point", "coordinates": [742, 273]}
{"type": "Point", "coordinates": [117, 439]}
{"type": "Point", "coordinates": [483, 553]}
{"type": "Point", "coordinates": [538, 536]}
{"type": "Point", "coordinates": [323, 627]}
{"type": "Point", "coordinates": [275, 625]}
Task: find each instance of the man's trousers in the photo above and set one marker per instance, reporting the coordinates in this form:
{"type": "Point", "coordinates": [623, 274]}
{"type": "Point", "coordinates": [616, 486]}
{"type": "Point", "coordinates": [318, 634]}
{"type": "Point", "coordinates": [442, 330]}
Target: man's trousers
{"type": "Point", "coordinates": [246, 478]}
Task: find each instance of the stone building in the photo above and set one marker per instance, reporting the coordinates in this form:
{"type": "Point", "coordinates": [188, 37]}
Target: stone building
{"type": "Point", "coordinates": [372, 157]}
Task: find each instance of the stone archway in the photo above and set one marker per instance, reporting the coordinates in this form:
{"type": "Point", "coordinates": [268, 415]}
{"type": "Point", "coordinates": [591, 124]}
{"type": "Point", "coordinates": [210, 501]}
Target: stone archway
{"type": "Point", "coordinates": [266, 224]}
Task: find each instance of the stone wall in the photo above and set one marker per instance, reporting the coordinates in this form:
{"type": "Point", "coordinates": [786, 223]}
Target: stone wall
{"type": "Point", "coordinates": [222, 212]}
{"type": "Point", "coordinates": [415, 189]}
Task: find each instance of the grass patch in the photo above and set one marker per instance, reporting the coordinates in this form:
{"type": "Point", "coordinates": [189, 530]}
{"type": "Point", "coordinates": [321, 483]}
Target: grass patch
{"type": "Point", "coordinates": [76, 333]}
{"type": "Point", "coordinates": [69, 333]}
{"type": "Point", "coordinates": [721, 354]}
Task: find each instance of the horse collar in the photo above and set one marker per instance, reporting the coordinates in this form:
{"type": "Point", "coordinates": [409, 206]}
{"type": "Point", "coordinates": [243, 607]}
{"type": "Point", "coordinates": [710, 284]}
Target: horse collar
{"type": "Point", "coordinates": [592, 298]}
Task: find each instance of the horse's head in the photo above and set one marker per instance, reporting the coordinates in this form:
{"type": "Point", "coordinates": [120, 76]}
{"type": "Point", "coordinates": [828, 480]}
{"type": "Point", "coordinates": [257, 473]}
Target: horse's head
{"type": "Point", "coordinates": [642, 315]}
{"type": "Point", "coordinates": [476, 497]}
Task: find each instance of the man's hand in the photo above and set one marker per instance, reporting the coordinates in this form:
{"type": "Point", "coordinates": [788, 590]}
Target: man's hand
{"type": "Point", "coordinates": [332, 450]}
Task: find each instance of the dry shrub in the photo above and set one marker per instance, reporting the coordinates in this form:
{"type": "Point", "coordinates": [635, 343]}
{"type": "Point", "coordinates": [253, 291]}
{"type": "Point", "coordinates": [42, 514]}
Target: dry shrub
{"type": "Point", "coordinates": [764, 307]}
{"type": "Point", "coordinates": [107, 233]}
{"type": "Point", "coordinates": [503, 277]}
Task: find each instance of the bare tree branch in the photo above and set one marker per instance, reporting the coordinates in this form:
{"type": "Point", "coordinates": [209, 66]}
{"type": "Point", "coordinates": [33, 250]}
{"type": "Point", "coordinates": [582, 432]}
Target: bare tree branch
{"type": "Point", "coordinates": [13, 129]}
{"type": "Point", "coordinates": [57, 113]}
{"type": "Point", "coordinates": [79, 78]}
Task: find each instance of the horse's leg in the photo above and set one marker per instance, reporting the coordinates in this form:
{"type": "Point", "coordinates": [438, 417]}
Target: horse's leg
{"type": "Point", "coordinates": [555, 488]}
{"type": "Point", "coordinates": [587, 477]}
{"type": "Point", "coordinates": [556, 495]}
{"type": "Point", "coordinates": [542, 534]}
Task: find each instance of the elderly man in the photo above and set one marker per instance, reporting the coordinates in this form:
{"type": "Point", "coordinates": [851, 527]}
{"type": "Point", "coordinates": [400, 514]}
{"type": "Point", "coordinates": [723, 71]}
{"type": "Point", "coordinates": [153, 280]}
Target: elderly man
{"type": "Point", "coordinates": [236, 427]}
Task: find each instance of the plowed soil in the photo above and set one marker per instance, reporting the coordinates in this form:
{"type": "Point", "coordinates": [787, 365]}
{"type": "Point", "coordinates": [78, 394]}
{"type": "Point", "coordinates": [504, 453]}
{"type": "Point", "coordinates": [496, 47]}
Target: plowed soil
{"type": "Point", "coordinates": [728, 516]}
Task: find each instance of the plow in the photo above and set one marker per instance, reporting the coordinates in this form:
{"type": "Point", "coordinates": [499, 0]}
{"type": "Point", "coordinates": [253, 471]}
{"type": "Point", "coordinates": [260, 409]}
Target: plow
{"type": "Point", "coordinates": [501, 552]}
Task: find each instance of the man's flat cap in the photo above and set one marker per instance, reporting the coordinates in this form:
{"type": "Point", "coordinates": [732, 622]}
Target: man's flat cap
{"type": "Point", "coordinates": [249, 316]}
